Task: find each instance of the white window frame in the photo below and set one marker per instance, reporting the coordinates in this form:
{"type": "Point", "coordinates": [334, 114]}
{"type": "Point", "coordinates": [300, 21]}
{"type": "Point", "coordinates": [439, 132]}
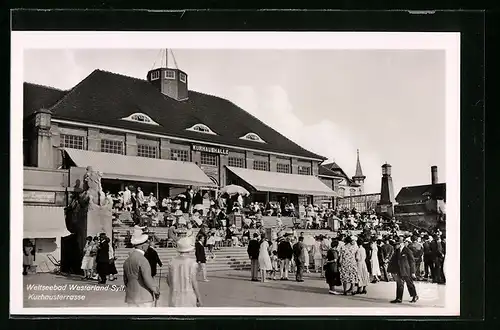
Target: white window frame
{"type": "Point", "coordinates": [182, 77]}
{"type": "Point", "coordinates": [146, 149]}
{"type": "Point", "coordinates": [208, 155]}
{"type": "Point", "coordinates": [258, 161]}
{"type": "Point", "coordinates": [205, 129]}
{"type": "Point", "coordinates": [236, 161]}
{"type": "Point", "coordinates": [179, 151]}
{"type": "Point", "coordinates": [155, 75]}
{"type": "Point", "coordinates": [252, 137]}
{"type": "Point", "coordinates": [168, 77]}
{"type": "Point", "coordinates": [72, 141]}
{"type": "Point", "coordinates": [147, 119]}
{"type": "Point", "coordinates": [111, 145]}
{"type": "Point", "coordinates": [285, 165]}
{"type": "Point", "coordinates": [301, 170]}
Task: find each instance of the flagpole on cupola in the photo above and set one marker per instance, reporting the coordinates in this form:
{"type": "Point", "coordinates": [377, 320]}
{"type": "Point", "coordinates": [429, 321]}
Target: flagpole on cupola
{"type": "Point", "coordinates": [166, 58]}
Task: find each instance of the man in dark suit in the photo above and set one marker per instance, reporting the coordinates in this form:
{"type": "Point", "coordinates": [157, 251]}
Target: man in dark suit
{"type": "Point", "coordinates": [201, 257]}
{"type": "Point", "coordinates": [300, 258]}
{"type": "Point", "coordinates": [402, 267]}
{"type": "Point", "coordinates": [285, 254]}
{"type": "Point", "coordinates": [102, 258]}
{"type": "Point", "coordinates": [387, 250]}
{"type": "Point", "coordinates": [140, 288]}
{"type": "Point", "coordinates": [253, 254]}
{"type": "Point", "coordinates": [152, 256]}
{"type": "Point", "coordinates": [428, 262]}
{"type": "Point", "coordinates": [437, 253]}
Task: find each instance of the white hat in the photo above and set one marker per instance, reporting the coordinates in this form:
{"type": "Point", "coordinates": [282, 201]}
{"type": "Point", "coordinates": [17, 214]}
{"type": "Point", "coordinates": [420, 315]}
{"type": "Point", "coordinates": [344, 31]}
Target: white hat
{"type": "Point", "coordinates": [178, 213]}
{"type": "Point", "coordinates": [184, 245]}
{"type": "Point", "coordinates": [138, 237]}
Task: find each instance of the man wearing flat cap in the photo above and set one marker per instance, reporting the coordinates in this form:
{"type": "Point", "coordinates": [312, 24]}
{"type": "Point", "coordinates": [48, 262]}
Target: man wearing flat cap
{"type": "Point", "coordinates": [402, 266]}
{"type": "Point", "coordinates": [140, 288]}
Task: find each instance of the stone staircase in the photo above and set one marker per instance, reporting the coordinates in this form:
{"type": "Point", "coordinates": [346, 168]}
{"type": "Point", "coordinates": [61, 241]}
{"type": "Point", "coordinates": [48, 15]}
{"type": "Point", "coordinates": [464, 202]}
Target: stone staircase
{"type": "Point", "coordinates": [227, 258]}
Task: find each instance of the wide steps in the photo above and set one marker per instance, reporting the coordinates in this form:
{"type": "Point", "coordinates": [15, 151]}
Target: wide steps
{"type": "Point", "coordinates": [226, 258]}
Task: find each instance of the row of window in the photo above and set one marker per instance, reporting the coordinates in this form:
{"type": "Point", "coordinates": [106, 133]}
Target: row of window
{"type": "Point", "coordinates": [169, 74]}
{"type": "Point", "coordinates": [143, 150]}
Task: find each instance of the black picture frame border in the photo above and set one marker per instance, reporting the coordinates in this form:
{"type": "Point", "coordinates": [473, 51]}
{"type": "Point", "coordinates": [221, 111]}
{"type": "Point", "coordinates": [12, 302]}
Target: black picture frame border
{"type": "Point", "coordinates": [469, 23]}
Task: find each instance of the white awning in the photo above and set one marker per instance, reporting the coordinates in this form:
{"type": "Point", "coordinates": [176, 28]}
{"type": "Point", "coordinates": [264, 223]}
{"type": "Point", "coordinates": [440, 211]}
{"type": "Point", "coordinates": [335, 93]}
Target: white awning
{"type": "Point", "coordinates": [120, 167]}
{"type": "Point", "coordinates": [282, 182]}
{"type": "Point", "coordinates": [44, 222]}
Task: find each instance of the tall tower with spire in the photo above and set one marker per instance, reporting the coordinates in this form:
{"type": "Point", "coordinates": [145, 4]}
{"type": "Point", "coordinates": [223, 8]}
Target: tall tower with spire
{"type": "Point", "coordinates": [358, 177]}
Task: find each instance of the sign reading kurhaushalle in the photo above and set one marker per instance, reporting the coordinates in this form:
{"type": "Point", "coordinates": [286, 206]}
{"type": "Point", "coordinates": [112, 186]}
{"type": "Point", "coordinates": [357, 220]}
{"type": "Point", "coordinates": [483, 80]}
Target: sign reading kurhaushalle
{"type": "Point", "coordinates": [213, 150]}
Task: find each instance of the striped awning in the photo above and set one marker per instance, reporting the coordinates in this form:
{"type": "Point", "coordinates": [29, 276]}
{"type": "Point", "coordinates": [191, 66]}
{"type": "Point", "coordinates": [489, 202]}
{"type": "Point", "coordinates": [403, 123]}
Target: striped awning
{"type": "Point", "coordinates": [121, 167]}
{"type": "Point", "coordinates": [282, 182]}
{"type": "Point", "coordinates": [44, 222]}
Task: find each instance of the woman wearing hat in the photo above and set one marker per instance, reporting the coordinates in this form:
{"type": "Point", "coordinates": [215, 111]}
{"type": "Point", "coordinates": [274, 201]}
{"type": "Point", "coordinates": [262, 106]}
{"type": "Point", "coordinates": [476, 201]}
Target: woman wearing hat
{"type": "Point", "coordinates": [331, 267]}
{"type": "Point", "coordinates": [264, 258]}
{"type": "Point", "coordinates": [374, 260]}
{"type": "Point", "coordinates": [181, 277]}
{"type": "Point", "coordinates": [363, 274]}
{"type": "Point", "coordinates": [348, 265]}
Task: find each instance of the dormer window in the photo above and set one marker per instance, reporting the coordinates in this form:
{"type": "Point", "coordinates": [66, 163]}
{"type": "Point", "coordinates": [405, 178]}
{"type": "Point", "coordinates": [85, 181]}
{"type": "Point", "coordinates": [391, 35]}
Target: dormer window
{"type": "Point", "coordinates": [252, 137]}
{"type": "Point", "coordinates": [182, 77]}
{"type": "Point", "coordinates": [155, 75]}
{"type": "Point", "coordinates": [141, 118]}
{"type": "Point", "coordinates": [169, 74]}
{"type": "Point", "coordinates": [200, 128]}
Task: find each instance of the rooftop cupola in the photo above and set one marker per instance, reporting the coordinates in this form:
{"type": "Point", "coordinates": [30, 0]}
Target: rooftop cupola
{"type": "Point", "coordinates": [169, 81]}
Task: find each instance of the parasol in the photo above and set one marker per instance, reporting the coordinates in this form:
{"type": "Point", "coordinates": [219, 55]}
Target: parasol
{"type": "Point", "coordinates": [309, 240]}
{"type": "Point", "coordinates": [181, 196]}
{"type": "Point", "coordinates": [233, 189]}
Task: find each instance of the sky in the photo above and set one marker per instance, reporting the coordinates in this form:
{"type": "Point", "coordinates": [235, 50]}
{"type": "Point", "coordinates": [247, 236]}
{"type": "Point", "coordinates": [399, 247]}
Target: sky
{"type": "Point", "coordinates": [389, 104]}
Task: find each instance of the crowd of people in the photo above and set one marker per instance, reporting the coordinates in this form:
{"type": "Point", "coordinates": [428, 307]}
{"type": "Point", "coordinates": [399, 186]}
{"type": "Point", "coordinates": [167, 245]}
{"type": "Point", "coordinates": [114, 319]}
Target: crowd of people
{"type": "Point", "coordinates": [351, 262]}
{"type": "Point", "coordinates": [98, 262]}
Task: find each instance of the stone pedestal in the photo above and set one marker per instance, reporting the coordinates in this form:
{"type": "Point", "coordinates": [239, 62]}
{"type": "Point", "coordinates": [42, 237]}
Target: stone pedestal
{"type": "Point", "coordinates": [99, 220]}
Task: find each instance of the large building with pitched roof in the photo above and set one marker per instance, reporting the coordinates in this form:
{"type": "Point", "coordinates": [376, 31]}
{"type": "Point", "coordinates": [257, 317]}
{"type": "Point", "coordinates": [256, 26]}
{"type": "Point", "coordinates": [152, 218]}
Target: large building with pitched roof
{"type": "Point", "coordinates": [158, 134]}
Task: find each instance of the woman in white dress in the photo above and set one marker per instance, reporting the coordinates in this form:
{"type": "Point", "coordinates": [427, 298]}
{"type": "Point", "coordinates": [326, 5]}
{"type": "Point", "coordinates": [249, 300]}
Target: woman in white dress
{"type": "Point", "coordinates": [181, 277]}
{"type": "Point", "coordinates": [363, 275]}
{"type": "Point", "coordinates": [190, 234]}
{"type": "Point", "coordinates": [264, 259]}
{"type": "Point", "coordinates": [306, 257]}
{"type": "Point", "coordinates": [87, 261]}
{"type": "Point", "coordinates": [375, 266]}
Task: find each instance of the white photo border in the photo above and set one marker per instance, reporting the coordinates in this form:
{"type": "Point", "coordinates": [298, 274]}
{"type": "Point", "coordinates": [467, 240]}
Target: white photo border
{"type": "Point", "coordinates": [448, 41]}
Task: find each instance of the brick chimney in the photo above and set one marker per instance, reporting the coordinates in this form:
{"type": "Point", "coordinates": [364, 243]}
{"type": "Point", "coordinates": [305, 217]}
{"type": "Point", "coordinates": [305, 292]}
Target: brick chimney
{"type": "Point", "coordinates": [434, 174]}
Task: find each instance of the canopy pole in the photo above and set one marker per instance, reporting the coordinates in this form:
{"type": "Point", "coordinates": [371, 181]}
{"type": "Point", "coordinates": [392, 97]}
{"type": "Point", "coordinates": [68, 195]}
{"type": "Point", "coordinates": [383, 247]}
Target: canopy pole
{"type": "Point", "coordinates": [157, 192]}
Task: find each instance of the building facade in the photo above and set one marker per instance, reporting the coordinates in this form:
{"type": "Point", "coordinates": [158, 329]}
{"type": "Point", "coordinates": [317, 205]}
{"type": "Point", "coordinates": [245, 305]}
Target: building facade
{"type": "Point", "coordinates": [159, 118]}
{"type": "Point", "coordinates": [345, 187]}
{"type": "Point", "coordinates": [424, 206]}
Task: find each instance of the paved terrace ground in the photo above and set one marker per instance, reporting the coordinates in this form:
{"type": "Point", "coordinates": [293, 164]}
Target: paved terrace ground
{"type": "Point", "coordinates": [233, 289]}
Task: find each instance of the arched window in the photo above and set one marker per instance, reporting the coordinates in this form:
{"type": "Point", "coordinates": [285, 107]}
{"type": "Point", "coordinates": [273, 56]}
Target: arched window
{"type": "Point", "coordinates": [353, 191]}
{"type": "Point", "coordinates": [342, 192]}
{"type": "Point", "coordinates": [200, 128]}
{"type": "Point", "coordinates": [141, 118]}
{"type": "Point", "coordinates": [252, 137]}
